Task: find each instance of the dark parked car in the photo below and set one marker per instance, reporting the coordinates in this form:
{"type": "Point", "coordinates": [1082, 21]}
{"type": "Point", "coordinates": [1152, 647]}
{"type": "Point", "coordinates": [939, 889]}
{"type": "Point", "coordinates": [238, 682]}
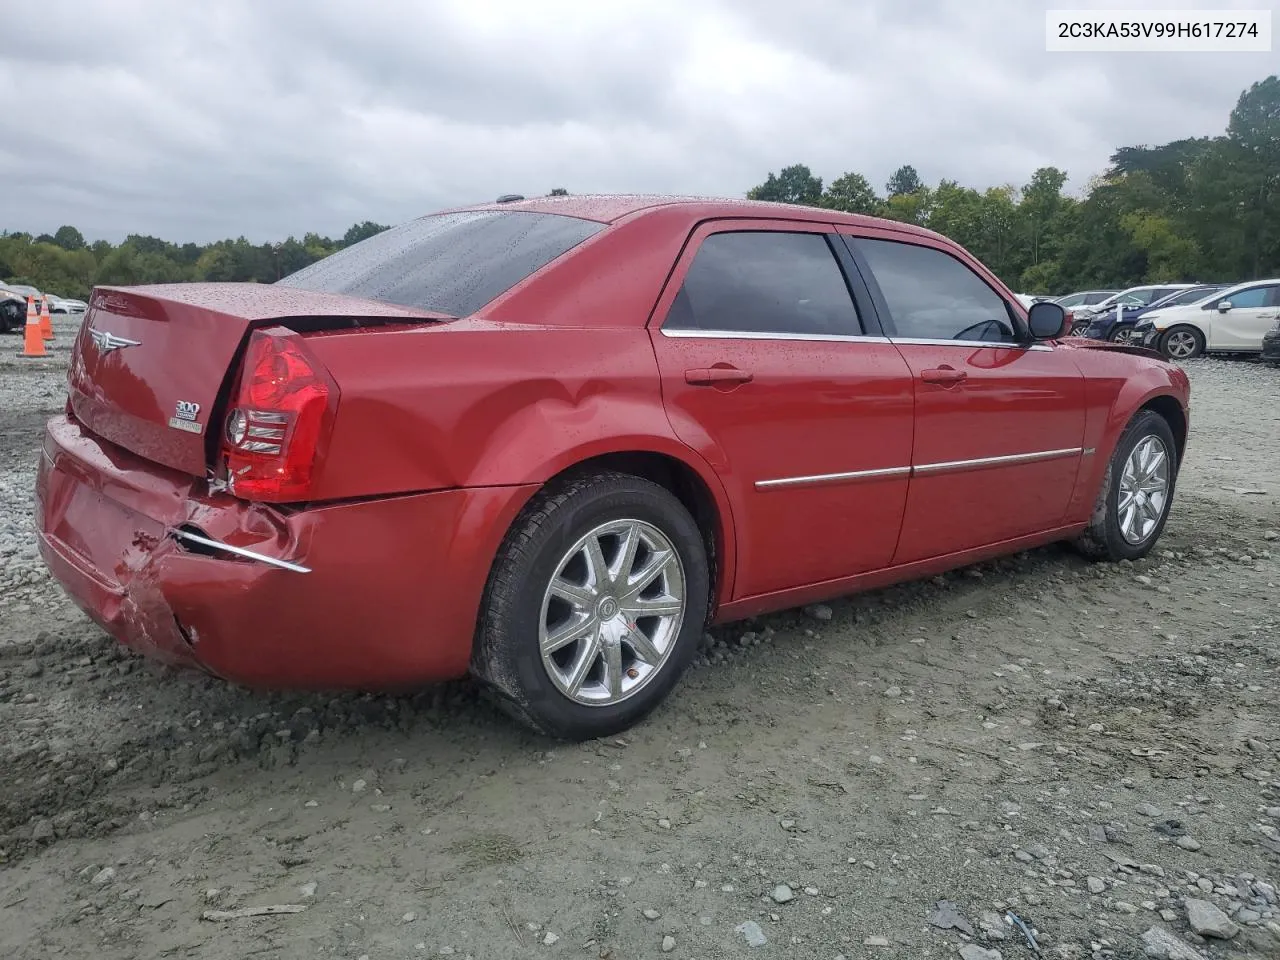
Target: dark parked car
{"type": "Point", "coordinates": [1271, 344]}
{"type": "Point", "coordinates": [13, 310]}
{"type": "Point", "coordinates": [1104, 326]}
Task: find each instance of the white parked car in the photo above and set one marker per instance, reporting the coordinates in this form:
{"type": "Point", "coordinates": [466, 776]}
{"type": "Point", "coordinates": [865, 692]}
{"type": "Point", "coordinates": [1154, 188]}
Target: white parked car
{"type": "Point", "coordinates": [1027, 299]}
{"type": "Point", "coordinates": [1229, 321]}
{"type": "Point", "coordinates": [63, 305]}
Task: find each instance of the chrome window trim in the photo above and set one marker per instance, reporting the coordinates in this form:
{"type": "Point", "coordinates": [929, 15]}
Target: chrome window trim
{"type": "Point", "coordinates": [825, 478]}
{"type": "Point", "coordinates": [770, 335]}
{"type": "Point", "coordinates": [680, 333]}
{"type": "Point", "coordinates": [924, 469]}
{"type": "Point", "coordinates": [927, 341]}
{"type": "Point", "coordinates": [240, 551]}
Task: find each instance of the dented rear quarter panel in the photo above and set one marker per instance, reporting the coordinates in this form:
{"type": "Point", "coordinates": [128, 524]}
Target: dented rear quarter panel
{"type": "Point", "coordinates": [474, 403]}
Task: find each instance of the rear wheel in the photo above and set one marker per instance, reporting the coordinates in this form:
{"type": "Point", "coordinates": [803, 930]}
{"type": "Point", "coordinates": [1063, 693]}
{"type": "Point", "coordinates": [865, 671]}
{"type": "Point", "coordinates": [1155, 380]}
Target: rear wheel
{"type": "Point", "coordinates": [595, 606]}
{"type": "Point", "coordinates": [1182, 343]}
{"type": "Point", "coordinates": [1124, 335]}
{"type": "Point", "coordinates": [1137, 491]}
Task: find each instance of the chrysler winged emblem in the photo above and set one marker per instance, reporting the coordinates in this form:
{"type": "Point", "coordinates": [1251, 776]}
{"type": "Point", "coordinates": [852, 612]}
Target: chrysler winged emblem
{"type": "Point", "coordinates": [106, 342]}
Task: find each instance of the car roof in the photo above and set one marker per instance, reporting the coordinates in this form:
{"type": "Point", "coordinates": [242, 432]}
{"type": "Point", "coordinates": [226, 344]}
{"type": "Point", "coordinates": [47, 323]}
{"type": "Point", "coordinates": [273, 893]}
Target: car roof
{"type": "Point", "coordinates": [1246, 284]}
{"type": "Point", "coordinates": [1160, 286]}
{"type": "Point", "coordinates": [610, 208]}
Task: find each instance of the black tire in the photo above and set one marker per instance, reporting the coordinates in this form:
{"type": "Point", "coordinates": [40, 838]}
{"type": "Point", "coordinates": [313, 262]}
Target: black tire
{"type": "Point", "coordinates": [506, 655]}
{"type": "Point", "coordinates": [1103, 539]}
{"type": "Point", "coordinates": [1197, 342]}
{"type": "Point", "coordinates": [1120, 334]}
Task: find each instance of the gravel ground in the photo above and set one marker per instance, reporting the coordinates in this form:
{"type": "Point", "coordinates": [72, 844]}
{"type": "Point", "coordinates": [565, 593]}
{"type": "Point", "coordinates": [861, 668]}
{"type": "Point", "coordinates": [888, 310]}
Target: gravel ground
{"type": "Point", "coordinates": [1093, 748]}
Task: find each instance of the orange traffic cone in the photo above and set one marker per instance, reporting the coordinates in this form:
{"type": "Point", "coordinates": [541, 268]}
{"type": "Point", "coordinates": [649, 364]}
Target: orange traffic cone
{"type": "Point", "coordinates": [33, 342]}
{"type": "Point", "coordinates": [46, 320]}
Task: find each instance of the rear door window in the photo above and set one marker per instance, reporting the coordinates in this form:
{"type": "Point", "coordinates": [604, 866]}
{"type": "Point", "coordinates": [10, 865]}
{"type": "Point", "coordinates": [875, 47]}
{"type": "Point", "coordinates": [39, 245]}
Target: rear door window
{"type": "Point", "coordinates": [765, 282]}
{"type": "Point", "coordinates": [450, 263]}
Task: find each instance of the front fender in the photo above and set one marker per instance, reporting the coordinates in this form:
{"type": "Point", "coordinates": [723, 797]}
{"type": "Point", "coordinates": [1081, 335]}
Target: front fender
{"type": "Point", "coordinates": [1117, 385]}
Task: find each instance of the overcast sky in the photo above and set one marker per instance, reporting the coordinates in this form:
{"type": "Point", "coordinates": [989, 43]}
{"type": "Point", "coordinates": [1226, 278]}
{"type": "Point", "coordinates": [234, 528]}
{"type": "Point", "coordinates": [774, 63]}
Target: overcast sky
{"type": "Point", "coordinates": [197, 121]}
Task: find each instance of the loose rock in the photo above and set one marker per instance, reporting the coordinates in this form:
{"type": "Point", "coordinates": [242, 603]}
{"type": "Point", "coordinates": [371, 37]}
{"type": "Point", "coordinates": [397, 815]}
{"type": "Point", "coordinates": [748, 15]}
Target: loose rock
{"type": "Point", "coordinates": [947, 916]}
{"type": "Point", "coordinates": [668, 944]}
{"type": "Point", "coordinates": [1162, 944]}
{"type": "Point", "coordinates": [782, 894]}
{"type": "Point", "coordinates": [752, 933]}
{"type": "Point", "coordinates": [1208, 921]}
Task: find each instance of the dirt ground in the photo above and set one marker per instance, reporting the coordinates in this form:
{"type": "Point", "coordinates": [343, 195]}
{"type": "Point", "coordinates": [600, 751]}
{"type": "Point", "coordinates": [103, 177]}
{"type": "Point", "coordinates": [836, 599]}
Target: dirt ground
{"type": "Point", "coordinates": [1093, 748]}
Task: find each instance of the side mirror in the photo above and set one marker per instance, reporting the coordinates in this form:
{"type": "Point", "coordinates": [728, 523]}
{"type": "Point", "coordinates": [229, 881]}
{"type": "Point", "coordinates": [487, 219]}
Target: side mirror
{"type": "Point", "coordinates": [1224, 306]}
{"type": "Point", "coordinates": [1047, 321]}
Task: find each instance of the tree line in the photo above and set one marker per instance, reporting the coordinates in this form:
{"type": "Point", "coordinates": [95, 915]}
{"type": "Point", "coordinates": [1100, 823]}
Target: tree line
{"type": "Point", "coordinates": [1199, 209]}
{"type": "Point", "coordinates": [1196, 210]}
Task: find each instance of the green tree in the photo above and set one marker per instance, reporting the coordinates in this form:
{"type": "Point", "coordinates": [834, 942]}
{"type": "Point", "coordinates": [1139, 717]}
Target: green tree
{"type": "Point", "coordinates": [1041, 201]}
{"type": "Point", "coordinates": [904, 180]}
{"type": "Point", "coordinates": [794, 184]}
{"type": "Point", "coordinates": [956, 212]}
{"type": "Point", "coordinates": [1253, 136]}
{"type": "Point", "coordinates": [851, 193]}
{"type": "Point", "coordinates": [909, 207]}
{"type": "Point", "coordinates": [69, 238]}
{"type": "Point", "coordinates": [357, 232]}
{"type": "Point", "coordinates": [1171, 256]}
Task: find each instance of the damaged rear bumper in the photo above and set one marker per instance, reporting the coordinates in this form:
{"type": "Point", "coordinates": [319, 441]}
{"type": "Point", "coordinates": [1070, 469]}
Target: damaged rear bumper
{"type": "Point", "coordinates": [370, 594]}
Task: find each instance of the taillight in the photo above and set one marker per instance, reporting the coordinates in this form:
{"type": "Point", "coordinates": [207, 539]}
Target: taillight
{"type": "Point", "coordinates": [280, 417]}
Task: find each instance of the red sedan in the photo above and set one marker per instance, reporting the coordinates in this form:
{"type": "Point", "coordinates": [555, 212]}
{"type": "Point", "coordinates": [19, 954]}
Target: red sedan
{"type": "Point", "coordinates": [547, 442]}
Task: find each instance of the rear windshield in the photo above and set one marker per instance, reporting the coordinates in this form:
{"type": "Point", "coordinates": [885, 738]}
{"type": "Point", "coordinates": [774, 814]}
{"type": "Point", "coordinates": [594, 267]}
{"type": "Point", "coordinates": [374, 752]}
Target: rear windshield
{"type": "Point", "coordinates": [450, 263]}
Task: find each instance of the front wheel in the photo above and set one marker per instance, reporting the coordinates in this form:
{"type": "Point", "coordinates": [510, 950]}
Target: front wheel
{"type": "Point", "coordinates": [1124, 335]}
{"type": "Point", "coordinates": [1182, 343]}
{"type": "Point", "coordinates": [595, 606]}
{"type": "Point", "coordinates": [1137, 492]}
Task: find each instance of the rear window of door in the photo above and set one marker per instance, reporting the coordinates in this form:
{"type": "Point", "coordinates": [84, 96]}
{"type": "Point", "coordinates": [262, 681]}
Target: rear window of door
{"type": "Point", "coordinates": [765, 282]}
{"type": "Point", "coordinates": [451, 263]}
{"type": "Point", "coordinates": [933, 296]}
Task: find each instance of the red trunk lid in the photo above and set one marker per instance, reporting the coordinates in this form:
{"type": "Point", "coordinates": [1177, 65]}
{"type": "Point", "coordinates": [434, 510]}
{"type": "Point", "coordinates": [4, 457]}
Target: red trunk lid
{"type": "Point", "coordinates": [152, 364]}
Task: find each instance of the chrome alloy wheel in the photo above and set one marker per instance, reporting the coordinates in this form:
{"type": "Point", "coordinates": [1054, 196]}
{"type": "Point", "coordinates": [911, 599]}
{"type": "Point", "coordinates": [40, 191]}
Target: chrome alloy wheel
{"type": "Point", "coordinates": [1127, 335]}
{"type": "Point", "coordinates": [612, 612]}
{"type": "Point", "coordinates": [1144, 489]}
{"type": "Point", "coordinates": [1181, 344]}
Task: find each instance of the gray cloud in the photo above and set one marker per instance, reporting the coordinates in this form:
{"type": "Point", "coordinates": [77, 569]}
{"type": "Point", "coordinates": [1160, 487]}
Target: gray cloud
{"type": "Point", "coordinates": [269, 119]}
